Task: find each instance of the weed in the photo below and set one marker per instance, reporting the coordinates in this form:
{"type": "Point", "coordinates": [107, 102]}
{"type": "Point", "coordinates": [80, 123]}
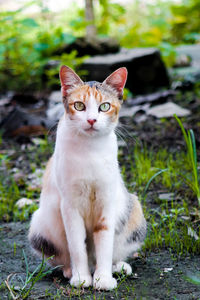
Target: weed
{"type": "Point", "coordinates": [32, 162]}
{"type": "Point", "coordinates": [151, 179]}
{"type": "Point", "coordinates": [168, 228]}
{"type": "Point", "coordinates": [189, 137]}
{"type": "Point", "coordinates": [25, 286]}
{"type": "Point", "coordinates": [195, 279]}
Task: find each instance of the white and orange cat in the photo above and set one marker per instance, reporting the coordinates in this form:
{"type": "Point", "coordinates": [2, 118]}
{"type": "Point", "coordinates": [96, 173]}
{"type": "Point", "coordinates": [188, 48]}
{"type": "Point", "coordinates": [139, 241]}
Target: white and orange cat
{"type": "Point", "coordinates": [87, 220]}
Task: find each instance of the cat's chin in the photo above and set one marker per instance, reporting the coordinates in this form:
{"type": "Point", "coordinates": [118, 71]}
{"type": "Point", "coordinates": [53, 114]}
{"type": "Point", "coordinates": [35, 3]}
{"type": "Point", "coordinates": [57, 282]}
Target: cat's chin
{"type": "Point", "coordinates": [91, 129]}
{"type": "Point", "coordinates": [91, 132]}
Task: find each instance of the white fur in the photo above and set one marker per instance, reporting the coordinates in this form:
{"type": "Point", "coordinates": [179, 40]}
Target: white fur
{"type": "Point", "coordinates": [88, 161]}
{"type": "Point", "coordinates": [85, 161]}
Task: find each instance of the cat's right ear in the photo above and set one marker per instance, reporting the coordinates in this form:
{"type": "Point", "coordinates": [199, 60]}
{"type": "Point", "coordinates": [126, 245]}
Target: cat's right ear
{"type": "Point", "coordinates": [68, 79]}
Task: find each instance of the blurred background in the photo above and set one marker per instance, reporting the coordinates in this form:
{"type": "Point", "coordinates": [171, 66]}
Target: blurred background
{"type": "Point", "coordinates": [38, 36]}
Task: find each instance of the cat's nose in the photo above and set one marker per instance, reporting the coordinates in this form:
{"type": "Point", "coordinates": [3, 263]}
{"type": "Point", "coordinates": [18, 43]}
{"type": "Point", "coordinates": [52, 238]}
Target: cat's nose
{"type": "Point", "coordinates": [91, 121]}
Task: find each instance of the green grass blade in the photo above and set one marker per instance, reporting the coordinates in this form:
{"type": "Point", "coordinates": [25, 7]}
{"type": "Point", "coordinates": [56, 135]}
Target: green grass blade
{"type": "Point", "coordinates": [194, 147]}
{"type": "Point", "coordinates": [151, 179]}
{"type": "Point", "coordinates": [26, 263]}
{"type": "Point", "coordinates": [182, 129]}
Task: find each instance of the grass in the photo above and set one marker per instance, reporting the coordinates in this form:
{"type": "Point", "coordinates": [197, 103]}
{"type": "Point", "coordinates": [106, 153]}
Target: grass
{"type": "Point", "coordinates": [20, 177]}
{"type": "Point", "coordinates": [173, 223]}
{"type": "Point", "coordinates": [21, 286]}
{"type": "Point", "coordinates": [189, 137]}
{"type": "Point", "coordinates": [25, 286]}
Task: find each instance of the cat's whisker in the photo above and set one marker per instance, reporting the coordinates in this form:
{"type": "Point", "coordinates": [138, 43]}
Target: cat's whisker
{"type": "Point", "coordinates": [52, 130]}
{"type": "Point", "coordinates": [126, 133]}
{"type": "Point", "coordinates": [121, 137]}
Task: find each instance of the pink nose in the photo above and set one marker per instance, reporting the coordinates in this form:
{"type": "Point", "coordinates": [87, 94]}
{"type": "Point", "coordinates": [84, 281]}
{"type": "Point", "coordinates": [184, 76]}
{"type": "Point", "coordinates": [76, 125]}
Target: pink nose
{"type": "Point", "coordinates": [91, 121]}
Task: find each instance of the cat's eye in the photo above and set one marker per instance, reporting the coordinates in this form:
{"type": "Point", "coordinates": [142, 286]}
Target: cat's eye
{"type": "Point", "coordinates": [104, 107]}
{"type": "Point", "coordinates": [80, 106]}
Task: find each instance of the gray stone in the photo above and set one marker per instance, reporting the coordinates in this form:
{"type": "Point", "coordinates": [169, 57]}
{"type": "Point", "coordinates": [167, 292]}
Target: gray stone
{"type": "Point", "coordinates": [168, 110]}
{"type": "Point", "coordinates": [131, 111]}
{"type": "Point", "coordinates": [193, 51]}
{"type": "Point", "coordinates": [186, 77]}
{"type": "Point", "coordinates": [55, 97]}
{"type": "Point", "coordinates": [55, 112]}
{"type": "Point", "coordinates": [146, 70]}
{"type": "Point", "coordinates": [55, 108]}
{"type": "Point", "coordinates": [166, 196]}
{"type": "Point", "coordinates": [23, 202]}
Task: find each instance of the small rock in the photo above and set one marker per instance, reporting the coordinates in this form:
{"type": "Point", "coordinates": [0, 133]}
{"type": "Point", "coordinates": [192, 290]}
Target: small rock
{"type": "Point", "coordinates": [182, 60]}
{"type": "Point", "coordinates": [131, 111]}
{"type": "Point", "coordinates": [55, 97]}
{"type": "Point", "coordinates": [168, 110]}
{"type": "Point", "coordinates": [166, 270]}
{"type": "Point", "coordinates": [140, 119]}
{"type": "Point", "coordinates": [185, 218]}
{"type": "Point", "coordinates": [23, 202]}
{"type": "Point", "coordinates": [166, 196]}
{"type": "Point", "coordinates": [128, 111]}
{"type": "Point", "coordinates": [193, 234]}
{"type": "Point", "coordinates": [19, 178]}
{"type": "Point", "coordinates": [136, 255]}
{"type": "Point", "coordinates": [55, 112]}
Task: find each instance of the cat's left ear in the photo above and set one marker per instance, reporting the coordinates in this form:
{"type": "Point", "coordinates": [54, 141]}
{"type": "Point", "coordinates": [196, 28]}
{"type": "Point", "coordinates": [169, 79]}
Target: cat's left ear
{"type": "Point", "coordinates": [68, 79]}
{"type": "Point", "coordinates": [117, 80]}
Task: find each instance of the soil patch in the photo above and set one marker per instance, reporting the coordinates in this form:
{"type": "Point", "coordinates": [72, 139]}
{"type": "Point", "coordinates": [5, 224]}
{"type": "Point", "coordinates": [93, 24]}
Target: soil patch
{"type": "Point", "coordinates": [156, 276]}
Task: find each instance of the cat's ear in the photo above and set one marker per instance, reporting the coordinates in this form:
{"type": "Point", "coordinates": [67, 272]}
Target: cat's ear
{"type": "Point", "coordinates": [68, 79]}
{"type": "Point", "coordinates": [117, 80]}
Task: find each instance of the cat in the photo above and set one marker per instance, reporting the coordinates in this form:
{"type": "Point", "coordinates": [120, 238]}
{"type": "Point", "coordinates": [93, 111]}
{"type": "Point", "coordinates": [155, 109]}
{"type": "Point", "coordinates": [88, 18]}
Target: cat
{"type": "Point", "coordinates": [87, 220]}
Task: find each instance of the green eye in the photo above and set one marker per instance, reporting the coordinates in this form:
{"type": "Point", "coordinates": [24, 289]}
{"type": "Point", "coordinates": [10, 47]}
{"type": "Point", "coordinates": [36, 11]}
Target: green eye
{"type": "Point", "coordinates": [104, 107]}
{"type": "Point", "coordinates": [80, 106]}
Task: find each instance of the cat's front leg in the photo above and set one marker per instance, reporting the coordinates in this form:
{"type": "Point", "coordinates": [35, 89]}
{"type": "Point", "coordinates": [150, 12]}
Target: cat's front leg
{"type": "Point", "coordinates": [76, 235]}
{"type": "Point", "coordinates": [103, 239]}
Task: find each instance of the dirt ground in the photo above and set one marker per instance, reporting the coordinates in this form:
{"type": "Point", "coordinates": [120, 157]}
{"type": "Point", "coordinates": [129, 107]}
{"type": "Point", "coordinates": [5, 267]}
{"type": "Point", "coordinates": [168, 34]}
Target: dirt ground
{"type": "Point", "coordinates": [156, 276]}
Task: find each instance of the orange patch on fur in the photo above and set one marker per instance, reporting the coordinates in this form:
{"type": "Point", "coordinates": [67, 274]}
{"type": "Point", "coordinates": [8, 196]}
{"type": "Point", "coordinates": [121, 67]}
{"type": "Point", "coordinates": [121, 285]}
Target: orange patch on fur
{"type": "Point", "coordinates": [72, 110]}
{"type": "Point", "coordinates": [114, 111]}
{"type": "Point", "coordinates": [100, 225]}
{"type": "Point", "coordinates": [136, 217]}
{"type": "Point", "coordinates": [82, 93]}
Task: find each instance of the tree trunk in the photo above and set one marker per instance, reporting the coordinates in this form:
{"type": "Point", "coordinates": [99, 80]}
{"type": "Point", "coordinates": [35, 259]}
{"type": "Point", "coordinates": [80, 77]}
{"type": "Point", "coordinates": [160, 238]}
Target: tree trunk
{"type": "Point", "coordinates": [91, 30]}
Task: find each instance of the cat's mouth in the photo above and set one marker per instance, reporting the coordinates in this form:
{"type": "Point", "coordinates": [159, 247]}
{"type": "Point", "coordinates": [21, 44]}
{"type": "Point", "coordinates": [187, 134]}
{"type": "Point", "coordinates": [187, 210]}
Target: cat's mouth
{"type": "Point", "coordinates": [91, 129]}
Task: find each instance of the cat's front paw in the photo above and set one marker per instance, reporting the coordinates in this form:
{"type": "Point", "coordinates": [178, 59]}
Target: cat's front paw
{"type": "Point", "coordinates": [81, 280]}
{"type": "Point", "coordinates": [121, 267]}
{"type": "Point", "coordinates": [104, 282]}
{"type": "Point", "coordinates": [67, 273]}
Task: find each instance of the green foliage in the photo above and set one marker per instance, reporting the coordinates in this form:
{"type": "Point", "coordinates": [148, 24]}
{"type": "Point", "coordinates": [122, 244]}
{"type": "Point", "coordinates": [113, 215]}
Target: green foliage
{"type": "Point", "coordinates": [149, 172]}
{"type": "Point", "coordinates": [27, 44]}
{"type": "Point", "coordinates": [11, 189]}
{"type": "Point", "coordinates": [25, 286]}
{"type": "Point", "coordinates": [185, 22]}
{"type": "Point", "coordinates": [194, 279]}
{"type": "Point", "coordinates": [161, 24]}
{"type": "Point", "coordinates": [192, 181]}
{"type": "Point", "coordinates": [70, 60]}
{"type": "Point", "coordinates": [170, 227]}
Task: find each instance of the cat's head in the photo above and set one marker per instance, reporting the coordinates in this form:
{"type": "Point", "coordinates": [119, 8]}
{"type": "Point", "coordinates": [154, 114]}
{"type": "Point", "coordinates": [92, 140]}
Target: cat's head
{"type": "Point", "coordinates": [92, 107]}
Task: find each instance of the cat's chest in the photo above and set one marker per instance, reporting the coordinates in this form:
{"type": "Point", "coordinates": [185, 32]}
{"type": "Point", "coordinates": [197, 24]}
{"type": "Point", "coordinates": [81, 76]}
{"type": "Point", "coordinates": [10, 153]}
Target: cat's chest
{"type": "Point", "coordinates": [86, 166]}
{"type": "Point", "coordinates": [88, 199]}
